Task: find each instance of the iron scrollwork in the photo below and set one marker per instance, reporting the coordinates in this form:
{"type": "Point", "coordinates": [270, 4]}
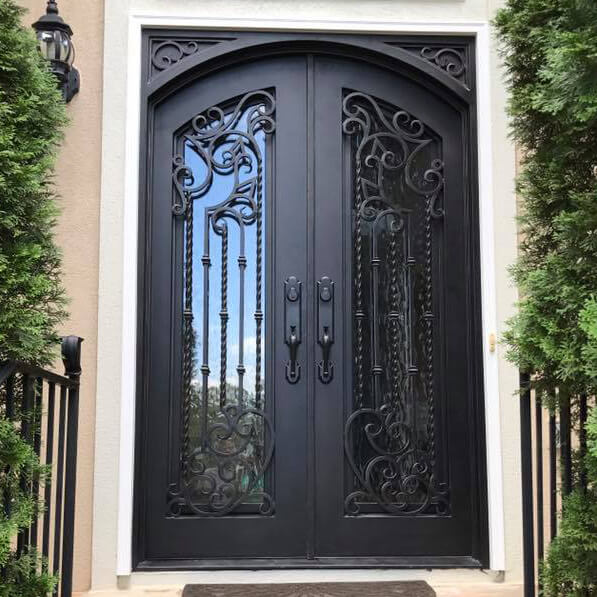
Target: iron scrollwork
{"type": "Point", "coordinates": [171, 51]}
{"type": "Point", "coordinates": [224, 466]}
{"type": "Point", "coordinates": [166, 53]}
{"type": "Point", "coordinates": [389, 437]}
{"type": "Point", "coordinates": [451, 60]}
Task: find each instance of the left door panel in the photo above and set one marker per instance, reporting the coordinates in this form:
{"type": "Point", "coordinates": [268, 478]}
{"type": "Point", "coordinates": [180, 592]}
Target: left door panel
{"type": "Point", "coordinates": [222, 463]}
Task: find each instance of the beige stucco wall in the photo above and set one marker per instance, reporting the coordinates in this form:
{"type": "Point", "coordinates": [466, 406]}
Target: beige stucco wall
{"type": "Point", "coordinates": [78, 184]}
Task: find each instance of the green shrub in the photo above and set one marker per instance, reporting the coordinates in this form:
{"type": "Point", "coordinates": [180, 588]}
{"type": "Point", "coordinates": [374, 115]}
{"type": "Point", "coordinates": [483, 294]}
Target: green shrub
{"type": "Point", "coordinates": [550, 55]}
{"type": "Point", "coordinates": [572, 557]}
{"type": "Point", "coordinates": [31, 118]}
{"type": "Point", "coordinates": [32, 115]}
{"type": "Point", "coordinates": [23, 574]}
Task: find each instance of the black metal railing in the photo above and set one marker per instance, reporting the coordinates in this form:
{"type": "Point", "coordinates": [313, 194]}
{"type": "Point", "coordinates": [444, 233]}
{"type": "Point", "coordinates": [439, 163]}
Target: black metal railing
{"type": "Point", "coordinates": [547, 438]}
{"type": "Point", "coordinates": [45, 407]}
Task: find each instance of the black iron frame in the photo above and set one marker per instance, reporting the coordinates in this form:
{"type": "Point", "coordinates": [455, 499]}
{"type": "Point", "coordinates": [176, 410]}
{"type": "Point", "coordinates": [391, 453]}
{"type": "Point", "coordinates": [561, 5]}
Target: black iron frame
{"type": "Point", "coordinates": [56, 396]}
{"type": "Point", "coordinates": [541, 485]}
{"type": "Point", "coordinates": [408, 55]}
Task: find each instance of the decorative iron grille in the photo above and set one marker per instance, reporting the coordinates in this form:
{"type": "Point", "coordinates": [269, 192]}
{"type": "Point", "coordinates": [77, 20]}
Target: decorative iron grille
{"type": "Point", "coordinates": [227, 438]}
{"type": "Point", "coordinates": [390, 434]}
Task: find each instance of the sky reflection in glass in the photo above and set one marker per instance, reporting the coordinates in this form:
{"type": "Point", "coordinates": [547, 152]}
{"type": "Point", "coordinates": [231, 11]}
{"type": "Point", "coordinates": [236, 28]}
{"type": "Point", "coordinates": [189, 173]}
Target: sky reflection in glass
{"type": "Point", "coordinates": [222, 188]}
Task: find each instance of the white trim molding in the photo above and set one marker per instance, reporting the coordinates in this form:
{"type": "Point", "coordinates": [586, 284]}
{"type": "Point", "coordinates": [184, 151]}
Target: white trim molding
{"type": "Point", "coordinates": [129, 274]}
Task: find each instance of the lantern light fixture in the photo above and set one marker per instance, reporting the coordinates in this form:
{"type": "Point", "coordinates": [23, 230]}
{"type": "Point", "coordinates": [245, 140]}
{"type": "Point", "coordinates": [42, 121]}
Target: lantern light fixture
{"type": "Point", "coordinates": [56, 46]}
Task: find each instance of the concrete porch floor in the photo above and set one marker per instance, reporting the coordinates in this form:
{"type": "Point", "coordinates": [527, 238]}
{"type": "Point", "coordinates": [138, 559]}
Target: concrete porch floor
{"type": "Point", "coordinates": [446, 583]}
{"type": "Point", "coordinates": [464, 590]}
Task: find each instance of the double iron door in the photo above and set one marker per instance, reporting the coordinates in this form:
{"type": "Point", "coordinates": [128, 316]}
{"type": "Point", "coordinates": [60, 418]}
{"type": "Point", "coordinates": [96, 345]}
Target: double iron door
{"type": "Point", "coordinates": [308, 394]}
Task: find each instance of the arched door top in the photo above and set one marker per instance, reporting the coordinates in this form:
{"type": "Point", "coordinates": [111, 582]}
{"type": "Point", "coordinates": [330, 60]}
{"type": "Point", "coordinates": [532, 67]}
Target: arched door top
{"type": "Point", "coordinates": [174, 57]}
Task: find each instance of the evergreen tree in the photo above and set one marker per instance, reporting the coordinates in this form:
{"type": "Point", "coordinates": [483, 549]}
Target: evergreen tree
{"type": "Point", "coordinates": [550, 54]}
{"type": "Point", "coordinates": [31, 118]}
{"type": "Point", "coordinates": [32, 115]}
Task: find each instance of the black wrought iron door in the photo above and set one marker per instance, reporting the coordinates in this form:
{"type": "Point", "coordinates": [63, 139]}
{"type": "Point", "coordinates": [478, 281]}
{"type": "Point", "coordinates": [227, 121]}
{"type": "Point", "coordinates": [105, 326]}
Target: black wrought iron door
{"type": "Point", "coordinates": [392, 405]}
{"type": "Point", "coordinates": [225, 472]}
{"type": "Point", "coordinates": [310, 322]}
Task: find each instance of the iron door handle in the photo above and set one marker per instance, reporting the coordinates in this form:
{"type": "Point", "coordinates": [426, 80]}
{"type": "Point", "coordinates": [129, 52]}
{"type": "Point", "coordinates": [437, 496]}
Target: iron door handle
{"type": "Point", "coordinates": [325, 327]}
{"type": "Point", "coordinates": [292, 326]}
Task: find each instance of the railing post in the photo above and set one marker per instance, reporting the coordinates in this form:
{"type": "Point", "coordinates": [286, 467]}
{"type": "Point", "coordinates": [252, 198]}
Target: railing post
{"type": "Point", "coordinates": [539, 473]}
{"type": "Point", "coordinates": [71, 357]}
{"type": "Point", "coordinates": [553, 469]}
{"type": "Point", "coordinates": [566, 444]}
{"type": "Point", "coordinates": [27, 427]}
{"type": "Point", "coordinates": [583, 413]}
{"type": "Point", "coordinates": [526, 450]}
{"type": "Point", "coordinates": [49, 461]}
{"type": "Point", "coordinates": [36, 422]}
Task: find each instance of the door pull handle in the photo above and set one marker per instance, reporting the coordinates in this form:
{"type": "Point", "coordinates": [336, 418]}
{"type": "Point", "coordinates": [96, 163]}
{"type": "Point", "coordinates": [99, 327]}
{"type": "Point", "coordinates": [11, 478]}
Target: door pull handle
{"type": "Point", "coordinates": [292, 326]}
{"type": "Point", "coordinates": [325, 327]}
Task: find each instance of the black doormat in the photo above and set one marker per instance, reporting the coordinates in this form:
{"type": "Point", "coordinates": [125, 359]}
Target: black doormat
{"type": "Point", "coordinates": [320, 589]}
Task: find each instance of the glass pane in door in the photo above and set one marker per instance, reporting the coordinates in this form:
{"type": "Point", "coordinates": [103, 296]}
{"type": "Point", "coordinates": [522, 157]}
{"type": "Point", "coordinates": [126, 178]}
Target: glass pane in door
{"type": "Point", "coordinates": [226, 434]}
{"type": "Point", "coordinates": [390, 432]}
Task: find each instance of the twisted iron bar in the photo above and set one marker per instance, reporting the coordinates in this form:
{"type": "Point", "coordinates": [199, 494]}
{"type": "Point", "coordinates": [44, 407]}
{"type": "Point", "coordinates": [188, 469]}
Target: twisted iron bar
{"type": "Point", "coordinates": [224, 317]}
{"type": "Point", "coordinates": [188, 340]}
{"type": "Point", "coordinates": [428, 323]}
{"type": "Point", "coordinates": [394, 323]}
{"type": "Point", "coordinates": [258, 285]}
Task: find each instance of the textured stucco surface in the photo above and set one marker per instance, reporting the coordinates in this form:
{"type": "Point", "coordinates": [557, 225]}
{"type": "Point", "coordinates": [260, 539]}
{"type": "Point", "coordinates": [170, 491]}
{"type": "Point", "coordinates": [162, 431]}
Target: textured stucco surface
{"type": "Point", "coordinates": [77, 181]}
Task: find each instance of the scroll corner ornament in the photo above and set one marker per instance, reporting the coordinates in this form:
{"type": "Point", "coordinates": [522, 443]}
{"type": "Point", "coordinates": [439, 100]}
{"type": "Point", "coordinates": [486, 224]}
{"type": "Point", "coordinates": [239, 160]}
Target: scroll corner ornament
{"type": "Point", "coordinates": [450, 59]}
{"type": "Point", "coordinates": [166, 53]}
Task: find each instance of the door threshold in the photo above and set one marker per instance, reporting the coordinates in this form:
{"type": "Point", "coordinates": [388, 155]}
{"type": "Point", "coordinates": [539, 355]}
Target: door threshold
{"type": "Point", "coordinates": [405, 562]}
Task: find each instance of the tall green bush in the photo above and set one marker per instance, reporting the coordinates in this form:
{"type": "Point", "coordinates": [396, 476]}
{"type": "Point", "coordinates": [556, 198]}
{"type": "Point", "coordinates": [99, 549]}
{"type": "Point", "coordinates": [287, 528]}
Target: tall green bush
{"type": "Point", "coordinates": [550, 54]}
{"type": "Point", "coordinates": [31, 118]}
{"type": "Point", "coordinates": [32, 115]}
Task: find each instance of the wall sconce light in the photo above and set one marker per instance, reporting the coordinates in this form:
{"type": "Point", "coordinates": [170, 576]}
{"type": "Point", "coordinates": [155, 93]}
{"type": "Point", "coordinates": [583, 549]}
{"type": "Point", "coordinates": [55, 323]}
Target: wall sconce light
{"type": "Point", "coordinates": [56, 46]}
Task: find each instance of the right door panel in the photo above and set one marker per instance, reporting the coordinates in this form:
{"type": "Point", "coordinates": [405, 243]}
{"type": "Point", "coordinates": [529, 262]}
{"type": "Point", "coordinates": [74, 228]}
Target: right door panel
{"type": "Point", "coordinates": [394, 403]}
